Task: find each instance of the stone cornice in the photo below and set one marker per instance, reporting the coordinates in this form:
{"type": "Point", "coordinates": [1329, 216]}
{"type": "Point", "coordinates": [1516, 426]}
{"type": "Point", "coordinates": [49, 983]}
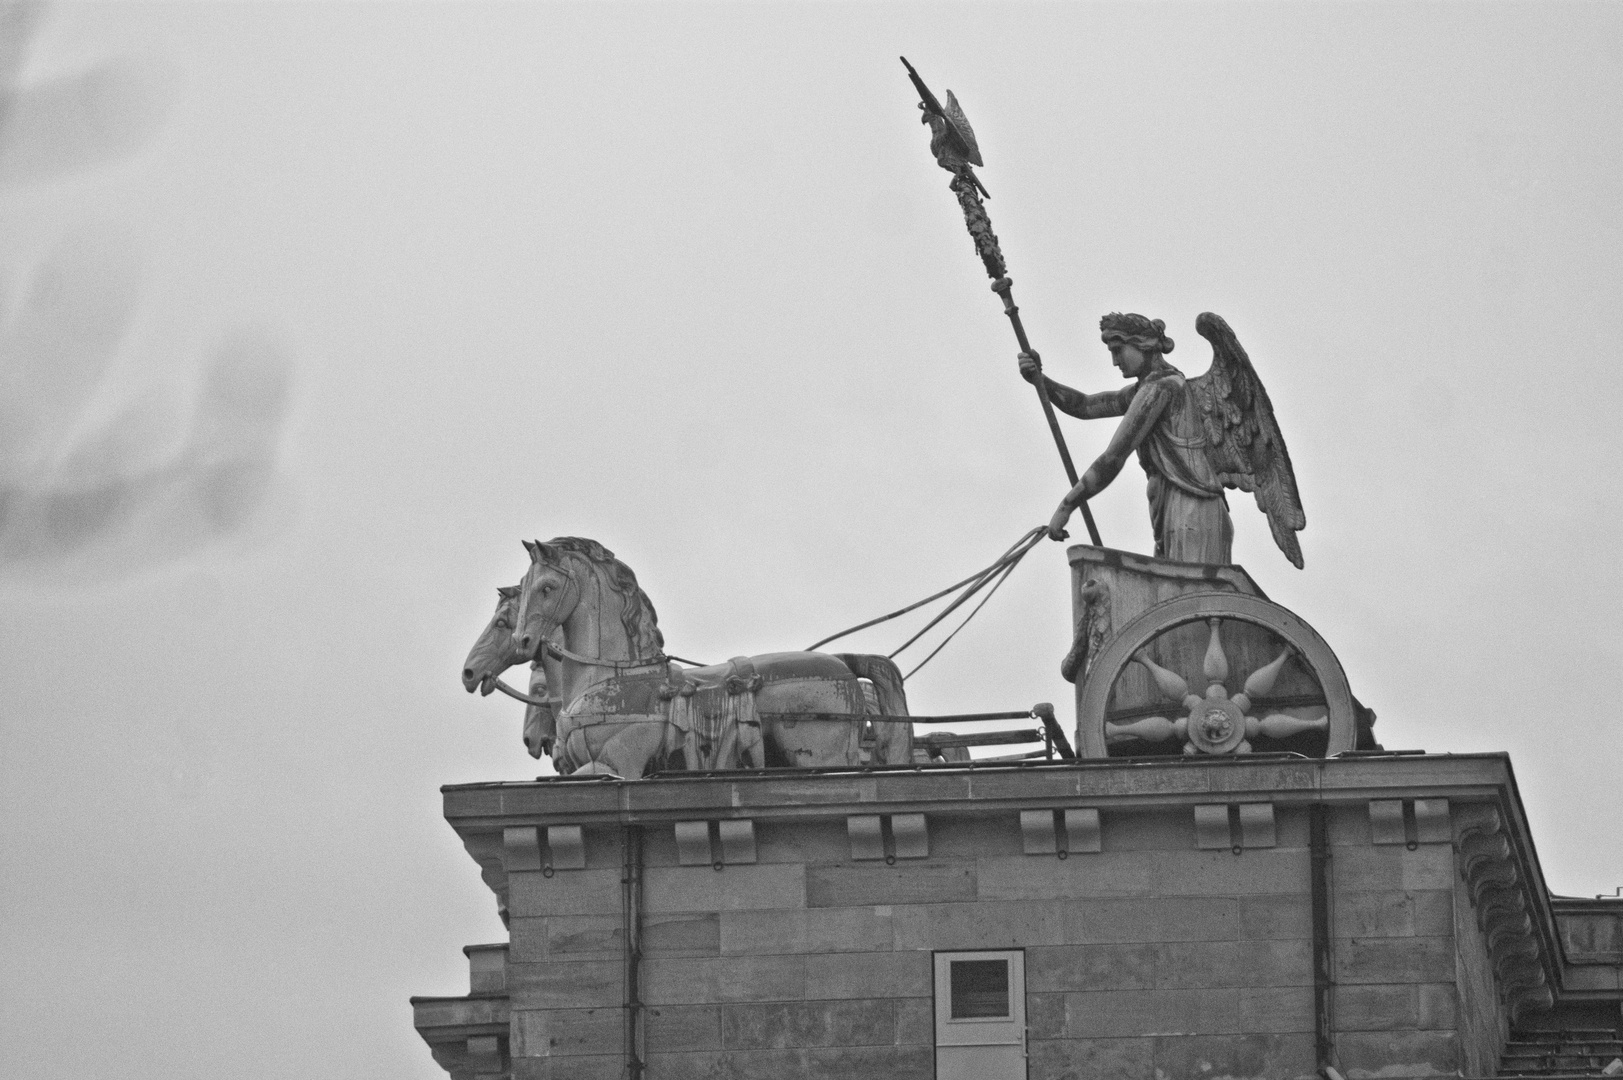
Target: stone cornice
{"type": "Point", "coordinates": [467, 1035]}
{"type": "Point", "coordinates": [770, 795]}
{"type": "Point", "coordinates": [1515, 919]}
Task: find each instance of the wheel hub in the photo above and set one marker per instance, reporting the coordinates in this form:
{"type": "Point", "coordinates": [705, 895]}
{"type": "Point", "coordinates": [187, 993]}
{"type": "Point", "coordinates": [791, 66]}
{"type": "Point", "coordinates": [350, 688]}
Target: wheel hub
{"type": "Point", "coordinates": [1216, 727]}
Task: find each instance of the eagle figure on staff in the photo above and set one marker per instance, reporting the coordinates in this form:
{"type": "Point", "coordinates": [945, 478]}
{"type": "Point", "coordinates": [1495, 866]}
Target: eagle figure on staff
{"type": "Point", "coordinates": [952, 140]}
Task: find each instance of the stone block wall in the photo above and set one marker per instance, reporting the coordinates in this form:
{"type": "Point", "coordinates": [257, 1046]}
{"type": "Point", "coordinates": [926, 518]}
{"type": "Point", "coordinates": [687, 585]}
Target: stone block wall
{"type": "Point", "coordinates": [566, 966]}
{"type": "Point", "coordinates": [1149, 957]}
{"type": "Point", "coordinates": [1482, 1023]}
{"type": "Point", "coordinates": [1165, 914]}
{"type": "Point", "coordinates": [1400, 1006]}
{"type": "Point", "coordinates": [1158, 958]}
{"type": "Point", "coordinates": [786, 967]}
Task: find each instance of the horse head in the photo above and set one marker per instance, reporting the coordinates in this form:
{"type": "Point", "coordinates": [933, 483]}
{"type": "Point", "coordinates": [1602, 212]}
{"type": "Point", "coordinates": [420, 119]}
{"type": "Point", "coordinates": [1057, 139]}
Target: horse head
{"type": "Point", "coordinates": [547, 596]}
{"type": "Point", "coordinates": [495, 651]}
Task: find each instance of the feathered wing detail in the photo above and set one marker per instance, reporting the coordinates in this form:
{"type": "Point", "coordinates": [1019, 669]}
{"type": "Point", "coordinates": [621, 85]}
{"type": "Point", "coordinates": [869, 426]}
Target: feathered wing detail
{"type": "Point", "coordinates": [1243, 440]}
{"type": "Point", "coordinates": [966, 134]}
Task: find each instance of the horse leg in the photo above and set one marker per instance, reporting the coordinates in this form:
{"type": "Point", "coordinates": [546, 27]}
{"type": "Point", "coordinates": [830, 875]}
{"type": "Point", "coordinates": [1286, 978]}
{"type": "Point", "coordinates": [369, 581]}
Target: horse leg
{"type": "Point", "coordinates": [629, 749]}
{"type": "Point", "coordinates": [571, 751]}
{"type": "Point", "coordinates": [751, 748]}
{"type": "Point", "coordinates": [540, 731]}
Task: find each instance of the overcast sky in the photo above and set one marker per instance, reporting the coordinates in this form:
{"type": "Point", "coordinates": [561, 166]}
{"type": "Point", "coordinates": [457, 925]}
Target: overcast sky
{"type": "Point", "coordinates": [312, 313]}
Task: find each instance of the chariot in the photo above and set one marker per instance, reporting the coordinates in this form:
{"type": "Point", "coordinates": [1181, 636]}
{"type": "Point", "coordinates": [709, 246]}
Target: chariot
{"type": "Point", "coordinates": [1188, 658]}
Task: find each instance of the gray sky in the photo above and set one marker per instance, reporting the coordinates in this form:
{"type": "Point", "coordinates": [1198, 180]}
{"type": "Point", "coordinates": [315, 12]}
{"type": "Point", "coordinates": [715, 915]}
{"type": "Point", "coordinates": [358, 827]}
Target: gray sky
{"type": "Point", "coordinates": [311, 313]}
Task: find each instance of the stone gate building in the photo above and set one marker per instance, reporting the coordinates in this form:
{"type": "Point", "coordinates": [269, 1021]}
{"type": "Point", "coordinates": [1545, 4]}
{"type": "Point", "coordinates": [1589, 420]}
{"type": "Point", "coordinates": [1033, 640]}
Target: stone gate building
{"type": "Point", "coordinates": [1262, 901]}
{"type": "Point", "coordinates": [1198, 917]}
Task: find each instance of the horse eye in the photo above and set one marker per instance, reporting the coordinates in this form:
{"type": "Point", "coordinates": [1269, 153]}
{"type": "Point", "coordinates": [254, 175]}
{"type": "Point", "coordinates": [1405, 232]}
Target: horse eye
{"type": "Point", "coordinates": [545, 589]}
{"type": "Point", "coordinates": [503, 624]}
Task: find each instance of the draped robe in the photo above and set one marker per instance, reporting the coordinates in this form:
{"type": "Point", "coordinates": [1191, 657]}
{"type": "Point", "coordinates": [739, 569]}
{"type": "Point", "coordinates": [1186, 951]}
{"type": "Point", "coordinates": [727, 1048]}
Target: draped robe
{"type": "Point", "coordinates": [1163, 423]}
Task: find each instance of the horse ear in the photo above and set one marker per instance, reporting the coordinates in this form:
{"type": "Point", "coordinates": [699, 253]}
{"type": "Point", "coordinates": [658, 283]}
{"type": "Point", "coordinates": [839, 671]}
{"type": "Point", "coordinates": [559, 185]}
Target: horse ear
{"type": "Point", "coordinates": [546, 553]}
{"type": "Point", "coordinates": [533, 547]}
{"type": "Point", "coordinates": [507, 592]}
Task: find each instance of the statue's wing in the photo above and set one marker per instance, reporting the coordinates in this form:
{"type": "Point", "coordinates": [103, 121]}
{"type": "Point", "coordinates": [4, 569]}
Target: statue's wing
{"type": "Point", "coordinates": [1243, 440]}
{"type": "Point", "coordinates": [965, 133]}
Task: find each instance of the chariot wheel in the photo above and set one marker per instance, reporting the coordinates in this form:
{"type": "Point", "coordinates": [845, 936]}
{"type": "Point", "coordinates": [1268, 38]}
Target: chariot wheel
{"type": "Point", "coordinates": [1184, 702]}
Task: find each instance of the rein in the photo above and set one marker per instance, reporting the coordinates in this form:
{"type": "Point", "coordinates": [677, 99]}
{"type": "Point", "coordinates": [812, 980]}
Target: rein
{"type": "Point", "coordinates": [565, 654]}
{"type": "Point", "coordinates": [526, 698]}
{"type": "Point", "coordinates": [994, 575]}
{"type": "Point", "coordinates": [561, 653]}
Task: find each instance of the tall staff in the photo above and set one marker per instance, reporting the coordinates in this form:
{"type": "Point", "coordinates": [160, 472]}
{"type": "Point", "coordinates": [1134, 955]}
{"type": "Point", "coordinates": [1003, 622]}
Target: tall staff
{"type": "Point", "coordinates": [952, 141]}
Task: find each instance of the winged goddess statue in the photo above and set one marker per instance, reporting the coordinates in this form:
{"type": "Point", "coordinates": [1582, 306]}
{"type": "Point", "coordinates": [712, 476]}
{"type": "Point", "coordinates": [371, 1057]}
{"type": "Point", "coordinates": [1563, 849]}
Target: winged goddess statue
{"type": "Point", "coordinates": [1194, 438]}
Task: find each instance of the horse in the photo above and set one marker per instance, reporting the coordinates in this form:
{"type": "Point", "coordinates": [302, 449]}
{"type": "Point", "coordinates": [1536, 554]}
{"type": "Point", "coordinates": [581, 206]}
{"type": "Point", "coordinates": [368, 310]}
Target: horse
{"type": "Point", "coordinates": [494, 652]}
{"type": "Point", "coordinates": [629, 707]}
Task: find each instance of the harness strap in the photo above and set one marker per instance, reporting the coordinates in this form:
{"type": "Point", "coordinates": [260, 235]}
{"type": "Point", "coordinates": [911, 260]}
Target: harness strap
{"type": "Point", "coordinates": [526, 698]}
{"type": "Point", "coordinates": [618, 665]}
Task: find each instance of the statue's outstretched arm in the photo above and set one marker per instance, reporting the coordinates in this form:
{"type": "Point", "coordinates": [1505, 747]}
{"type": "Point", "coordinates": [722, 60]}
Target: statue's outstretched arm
{"type": "Point", "coordinates": [1143, 413]}
{"type": "Point", "coordinates": [1075, 402]}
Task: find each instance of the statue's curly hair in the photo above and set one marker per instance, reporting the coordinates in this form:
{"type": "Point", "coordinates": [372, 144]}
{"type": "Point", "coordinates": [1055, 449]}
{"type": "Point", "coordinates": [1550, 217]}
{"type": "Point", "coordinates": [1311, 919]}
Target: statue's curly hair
{"type": "Point", "coordinates": [1148, 335]}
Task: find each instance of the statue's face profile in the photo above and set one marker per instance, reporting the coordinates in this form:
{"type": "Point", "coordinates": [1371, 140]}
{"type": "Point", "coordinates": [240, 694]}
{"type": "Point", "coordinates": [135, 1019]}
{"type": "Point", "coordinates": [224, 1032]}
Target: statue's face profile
{"type": "Point", "coordinates": [1132, 360]}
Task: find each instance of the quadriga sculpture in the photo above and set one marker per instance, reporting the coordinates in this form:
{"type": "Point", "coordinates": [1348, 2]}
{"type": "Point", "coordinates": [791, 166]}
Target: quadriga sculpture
{"type": "Point", "coordinates": [627, 707]}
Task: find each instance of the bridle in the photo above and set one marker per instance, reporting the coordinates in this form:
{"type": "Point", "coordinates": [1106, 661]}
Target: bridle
{"type": "Point", "coordinates": [659, 659]}
{"type": "Point", "coordinates": [561, 653]}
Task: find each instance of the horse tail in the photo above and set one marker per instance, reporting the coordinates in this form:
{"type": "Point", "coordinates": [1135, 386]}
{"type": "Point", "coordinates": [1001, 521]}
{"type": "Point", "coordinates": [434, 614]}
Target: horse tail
{"type": "Point", "coordinates": [893, 741]}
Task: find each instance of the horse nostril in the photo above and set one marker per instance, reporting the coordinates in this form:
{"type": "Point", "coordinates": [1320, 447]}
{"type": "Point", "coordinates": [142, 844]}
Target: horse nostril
{"type": "Point", "coordinates": [467, 674]}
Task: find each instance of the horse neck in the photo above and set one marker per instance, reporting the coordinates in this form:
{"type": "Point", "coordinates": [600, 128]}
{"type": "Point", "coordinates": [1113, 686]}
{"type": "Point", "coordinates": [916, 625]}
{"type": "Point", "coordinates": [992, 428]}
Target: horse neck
{"type": "Point", "coordinates": [593, 629]}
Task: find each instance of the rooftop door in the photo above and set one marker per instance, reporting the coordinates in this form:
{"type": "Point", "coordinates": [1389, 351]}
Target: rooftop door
{"type": "Point", "coordinates": [980, 1015]}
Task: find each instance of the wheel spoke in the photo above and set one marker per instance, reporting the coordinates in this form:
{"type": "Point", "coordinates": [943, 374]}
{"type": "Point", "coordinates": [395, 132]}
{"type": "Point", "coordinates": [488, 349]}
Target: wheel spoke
{"type": "Point", "coordinates": [1217, 663]}
{"type": "Point", "coordinates": [1150, 729]}
{"type": "Point", "coordinates": [1262, 680]}
{"type": "Point", "coordinates": [1280, 726]}
{"type": "Point", "coordinates": [1170, 682]}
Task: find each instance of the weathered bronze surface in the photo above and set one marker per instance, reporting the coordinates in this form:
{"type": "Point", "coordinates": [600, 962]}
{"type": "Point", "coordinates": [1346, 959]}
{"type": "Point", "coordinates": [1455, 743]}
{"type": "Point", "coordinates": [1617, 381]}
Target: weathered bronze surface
{"type": "Point", "coordinates": [624, 707]}
{"type": "Point", "coordinates": [1194, 437]}
{"type": "Point", "coordinates": [1192, 657]}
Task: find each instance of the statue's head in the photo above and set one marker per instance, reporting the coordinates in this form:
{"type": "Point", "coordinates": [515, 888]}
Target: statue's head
{"type": "Point", "coordinates": [1136, 343]}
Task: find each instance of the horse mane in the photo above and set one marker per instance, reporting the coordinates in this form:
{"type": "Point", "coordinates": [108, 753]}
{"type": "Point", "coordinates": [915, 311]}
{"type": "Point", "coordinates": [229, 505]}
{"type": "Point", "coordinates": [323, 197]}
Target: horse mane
{"type": "Point", "coordinates": [636, 610]}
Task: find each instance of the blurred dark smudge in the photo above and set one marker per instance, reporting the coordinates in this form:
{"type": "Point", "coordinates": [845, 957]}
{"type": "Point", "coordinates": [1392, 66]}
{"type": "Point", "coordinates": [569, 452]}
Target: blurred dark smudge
{"type": "Point", "coordinates": [70, 123]}
{"type": "Point", "coordinates": [126, 491]}
{"type": "Point", "coordinates": [111, 487]}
